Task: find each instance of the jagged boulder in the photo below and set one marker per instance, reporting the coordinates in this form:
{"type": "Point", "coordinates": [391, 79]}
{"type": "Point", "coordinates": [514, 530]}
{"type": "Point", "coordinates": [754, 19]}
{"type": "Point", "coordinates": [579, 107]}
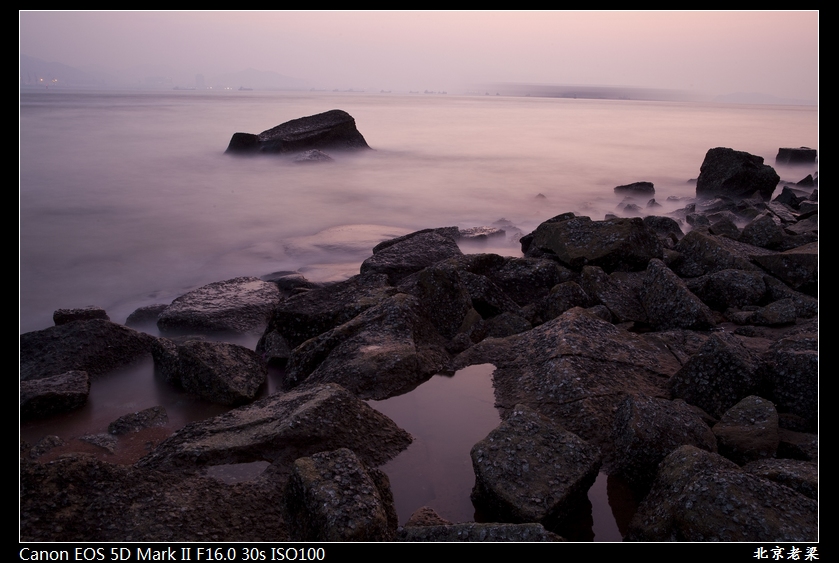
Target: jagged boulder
{"type": "Point", "coordinates": [333, 496]}
{"type": "Point", "coordinates": [735, 174]}
{"type": "Point", "coordinates": [239, 306]}
{"type": "Point", "coordinates": [334, 129]}
{"type": "Point", "coordinates": [411, 253]}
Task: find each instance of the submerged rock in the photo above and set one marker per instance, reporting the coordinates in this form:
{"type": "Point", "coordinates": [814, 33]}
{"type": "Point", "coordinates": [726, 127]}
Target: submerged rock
{"type": "Point", "coordinates": [46, 396]}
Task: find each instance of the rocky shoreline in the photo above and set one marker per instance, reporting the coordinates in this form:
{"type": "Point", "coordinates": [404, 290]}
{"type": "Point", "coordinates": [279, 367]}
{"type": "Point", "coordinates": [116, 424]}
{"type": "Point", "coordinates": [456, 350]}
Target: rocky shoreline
{"type": "Point", "coordinates": [678, 351]}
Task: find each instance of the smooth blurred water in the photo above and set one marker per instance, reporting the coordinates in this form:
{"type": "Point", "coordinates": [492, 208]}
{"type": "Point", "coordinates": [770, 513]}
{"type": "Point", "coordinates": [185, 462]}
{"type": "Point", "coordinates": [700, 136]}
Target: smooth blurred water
{"type": "Point", "coordinates": [126, 199]}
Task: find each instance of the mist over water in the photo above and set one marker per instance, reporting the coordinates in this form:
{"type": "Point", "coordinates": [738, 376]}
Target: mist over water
{"type": "Point", "coordinates": [126, 199]}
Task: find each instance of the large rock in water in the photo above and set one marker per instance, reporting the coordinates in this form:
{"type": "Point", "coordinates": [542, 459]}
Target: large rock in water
{"type": "Point", "coordinates": [334, 129]}
{"type": "Point", "coordinates": [735, 174]}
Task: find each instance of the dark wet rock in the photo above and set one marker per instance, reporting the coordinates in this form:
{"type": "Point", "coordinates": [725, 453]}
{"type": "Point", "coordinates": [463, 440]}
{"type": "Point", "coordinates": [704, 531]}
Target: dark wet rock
{"type": "Point", "coordinates": [663, 226]}
{"type": "Point", "coordinates": [575, 369]}
{"type": "Point", "coordinates": [306, 315]}
{"type": "Point", "coordinates": [777, 313]}
{"type": "Point", "coordinates": [562, 297]}
{"type": "Point", "coordinates": [312, 157]}
{"type": "Point", "coordinates": [718, 376]}
{"type": "Point", "coordinates": [530, 469]}
{"type": "Point", "coordinates": [410, 255]}
{"type": "Point", "coordinates": [702, 253]}
{"type": "Point", "coordinates": [499, 326]}
{"type": "Point", "coordinates": [646, 429]}
{"type": "Point", "coordinates": [64, 316]}
{"type": "Point", "coordinates": [474, 532]}
{"type": "Point", "coordinates": [333, 496]}
{"type": "Point", "coordinates": [791, 197]}
{"type": "Point", "coordinates": [701, 496]}
{"type": "Point", "coordinates": [525, 280]}
{"type": "Point", "coordinates": [134, 422]}
{"type": "Point", "coordinates": [615, 244]}
{"type": "Point", "coordinates": [273, 348]}
{"type": "Point", "coordinates": [798, 268]}
{"type": "Point", "coordinates": [620, 296]}
{"type": "Point", "coordinates": [443, 296]}
{"type": "Point", "coordinates": [385, 351]}
{"type": "Point", "coordinates": [637, 189]}
{"type": "Point", "coordinates": [145, 316]}
{"type": "Point", "coordinates": [669, 303]}
{"type": "Point", "coordinates": [81, 499]}
{"type": "Point", "coordinates": [46, 396]}
{"type": "Point", "coordinates": [805, 306]}
{"type": "Point", "coordinates": [105, 441]}
{"type": "Point", "coordinates": [800, 476]}
{"type": "Point", "coordinates": [735, 174]}
{"type": "Point", "coordinates": [802, 446]}
{"type": "Point", "coordinates": [729, 288]}
{"type": "Point", "coordinates": [44, 445]}
{"type": "Point", "coordinates": [724, 226]}
{"type": "Point", "coordinates": [487, 298]}
{"type": "Point", "coordinates": [290, 282]}
{"type": "Point", "coordinates": [426, 516]}
{"type": "Point", "coordinates": [282, 428]}
{"type": "Point", "coordinates": [697, 220]}
{"type": "Point", "coordinates": [239, 306]}
{"type": "Point", "coordinates": [801, 155]}
{"type": "Point", "coordinates": [763, 231]}
{"type": "Point", "coordinates": [748, 431]}
{"type": "Point", "coordinates": [219, 372]}
{"type": "Point", "coordinates": [792, 372]}
{"type": "Point", "coordinates": [333, 129]}
{"type": "Point", "coordinates": [95, 346]}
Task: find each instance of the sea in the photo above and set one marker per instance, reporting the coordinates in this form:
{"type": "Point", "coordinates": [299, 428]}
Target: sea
{"type": "Point", "coordinates": [127, 198]}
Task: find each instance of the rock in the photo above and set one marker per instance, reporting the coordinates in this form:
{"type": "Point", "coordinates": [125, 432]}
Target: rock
{"type": "Point", "coordinates": [735, 174]}
{"type": "Point", "coordinates": [669, 303]}
{"type": "Point", "coordinates": [729, 288]}
{"type": "Point", "coordinates": [575, 369]}
{"type": "Point", "coordinates": [332, 496]}
{"type": "Point", "coordinates": [718, 376]}
{"type": "Point", "coordinates": [663, 226]}
{"type": "Point", "coordinates": [145, 316]}
{"type": "Point", "coordinates": [282, 428]}
{"type": "Point", "coordinates": [701, 253]}
{"type": "Point", "coordinates": [763, 231]}
{"type": "Point", "coordinates": [238, 306]}
{"type": "Point", "coordinates": [636, 189]}
{"type": "Point", "coordinates": [474, 532]}
{"type": "Point", "coordinates": [218, 372]}
{"type": "Point", "coordinates": [81, 499]}
{"type": "Point", "coordinates": [530, 469]}
{"type": "Point", "coordinates": [800, 476]}
{"type": "Point", "coordinates": [791, 369]}
{"type": "Point", "coordinates": [96, 346]}
{"type": "Point", "coordinates": [426, 516]}
{"type": "Point", "coordinates": [134, 422]}
{"type": "Point", "coordinates": [701, 496]}
{"type": "Point", "coordinates": [802, 155]}
{"type": "Point", "coordinates": [615, 244]}
{"type": "Point", "coordinates": [621, 298]}
{"type": "Point", "coordinates": [525, 280]}
{"type": "Point", "coordinates": [798, 268]}
{"type": "Point", "coordinates": [333, 129]}
{"type": "Point", "coordinates": [748, 431]}
{"type": "Point", "coordinates": [64, 316]}
{"type": "Point", "coordinates": [646, 429]}
{"type": "Point", "coordinates": [410, 255]}
{"type": "Point", "coordinates": [387, 350]}
{"type": "Point", "coordinates": [306, 315]}
{"type": "Point", "coordinates": [46, 396]}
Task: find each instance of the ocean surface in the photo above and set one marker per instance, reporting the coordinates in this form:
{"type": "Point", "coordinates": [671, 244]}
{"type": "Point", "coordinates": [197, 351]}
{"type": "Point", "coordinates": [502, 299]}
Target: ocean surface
{"type": "Point", "coordinates": [127, 198]}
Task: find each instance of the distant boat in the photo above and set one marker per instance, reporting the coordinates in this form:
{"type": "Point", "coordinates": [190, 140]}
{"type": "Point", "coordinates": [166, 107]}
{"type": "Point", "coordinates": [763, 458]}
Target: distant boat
{"type": "Point", "coordinates": [243, 89]}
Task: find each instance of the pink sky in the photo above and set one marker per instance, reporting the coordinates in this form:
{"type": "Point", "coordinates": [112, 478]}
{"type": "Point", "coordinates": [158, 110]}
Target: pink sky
{"type": "Point", "coordinates": [714, 52]}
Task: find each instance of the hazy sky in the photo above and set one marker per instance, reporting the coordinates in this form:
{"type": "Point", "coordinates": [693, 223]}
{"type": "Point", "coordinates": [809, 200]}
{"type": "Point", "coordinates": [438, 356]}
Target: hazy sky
{"type": "Point", "coordinates": [714, 52]}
